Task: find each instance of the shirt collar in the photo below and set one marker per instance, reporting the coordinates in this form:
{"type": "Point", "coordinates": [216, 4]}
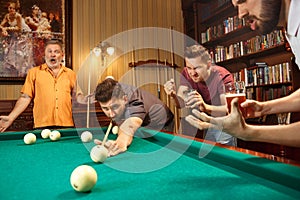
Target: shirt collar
{"type": "Point", "coordinates": [45, 66]}
{"type": "Point", "coordinates": [293, 18]}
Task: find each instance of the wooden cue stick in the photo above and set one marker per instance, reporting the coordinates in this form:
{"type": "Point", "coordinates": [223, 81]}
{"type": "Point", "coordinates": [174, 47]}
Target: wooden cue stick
{"type": "Point", "coordinates": [88, 101]}
{"type": "Point", "coordinates": [171, 42]}
{"type": "Point", "coordinates": [157, 72]}
{"type": "Point", "coordinates": [176, 102]}
{"type": "Point", "coordinates": [107, 133]}
{"type": "Point", "coordinates": [133, 70]}
{"type": "Point", "coordinates": [174, 75]}
{"type": "Point", "coordinates": [166, 77]}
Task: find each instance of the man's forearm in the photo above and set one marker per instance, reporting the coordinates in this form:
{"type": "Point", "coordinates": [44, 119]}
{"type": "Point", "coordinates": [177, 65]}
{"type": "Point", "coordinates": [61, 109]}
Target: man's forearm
{"type": "Point", "coordinates": [20, 106]}
{"type": "Point", "coordinates": [216, 111]}
{"type": "Point", "coordinates": [179, 103]}
{"type": "Point", "coordinates": [277, 134]}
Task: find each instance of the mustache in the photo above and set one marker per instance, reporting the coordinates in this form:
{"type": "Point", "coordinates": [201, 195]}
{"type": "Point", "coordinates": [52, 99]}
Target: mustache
{"type": "Point", "coordinates": [250, 18]}
{"type": "Point", "coordinates": [264, 26]}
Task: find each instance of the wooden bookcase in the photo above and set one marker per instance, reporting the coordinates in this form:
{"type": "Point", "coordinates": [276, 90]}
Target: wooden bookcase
{"type": "Point", "coordinates": [215, 25]}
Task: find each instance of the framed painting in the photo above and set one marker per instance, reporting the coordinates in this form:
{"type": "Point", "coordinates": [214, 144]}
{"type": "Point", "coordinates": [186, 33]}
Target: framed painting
{"type": "Point", "coordinates": [25, 26]}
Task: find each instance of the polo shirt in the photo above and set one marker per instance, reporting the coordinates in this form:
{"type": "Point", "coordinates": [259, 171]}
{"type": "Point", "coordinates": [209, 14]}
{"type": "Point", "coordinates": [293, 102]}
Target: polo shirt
{"type": "Point", "coordinates": [144, 105]}
{"type": "Point", "coordinates": [52, 96]}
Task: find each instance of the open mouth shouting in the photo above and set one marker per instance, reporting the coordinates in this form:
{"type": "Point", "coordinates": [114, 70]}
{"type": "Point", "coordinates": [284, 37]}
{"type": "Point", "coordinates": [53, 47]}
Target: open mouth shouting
{"type": "Point", "coordinates": [52, 62]}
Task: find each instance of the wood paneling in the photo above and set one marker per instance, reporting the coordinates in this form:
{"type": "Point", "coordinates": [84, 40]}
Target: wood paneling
{"type": "Point", "coordinates": [97, 20]}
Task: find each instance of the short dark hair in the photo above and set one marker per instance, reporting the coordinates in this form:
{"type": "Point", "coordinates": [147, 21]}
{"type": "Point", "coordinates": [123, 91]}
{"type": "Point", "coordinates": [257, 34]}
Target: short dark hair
{"type": "Point", "coordinates": [54, 41]}
{"type": "Point", "coordinates": [195, 51]}
{"type": "Point", "coordinates": [107, 89]}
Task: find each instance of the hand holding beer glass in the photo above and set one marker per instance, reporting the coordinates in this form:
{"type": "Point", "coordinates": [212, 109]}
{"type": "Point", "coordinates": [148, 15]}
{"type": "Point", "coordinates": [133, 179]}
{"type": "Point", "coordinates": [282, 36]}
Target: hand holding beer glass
{"type": "Point", "coordinates": [186, 110]}
{"type": "Point", "coordinates": [236, 90]}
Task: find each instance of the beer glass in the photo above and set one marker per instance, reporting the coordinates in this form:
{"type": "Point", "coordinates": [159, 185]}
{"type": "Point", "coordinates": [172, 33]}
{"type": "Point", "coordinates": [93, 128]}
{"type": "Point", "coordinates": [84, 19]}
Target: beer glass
{"type": "Point", "coordinates": [283, 119]}
{"type": "Point", "coordinates": [185, 111]}
{"type": "Point", "coordinates": [236, 90]}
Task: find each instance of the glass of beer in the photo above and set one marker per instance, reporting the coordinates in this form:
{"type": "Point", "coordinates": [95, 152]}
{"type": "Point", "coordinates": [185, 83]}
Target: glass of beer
{"type": "Point", "coordinates": [236, 90]}
{"type": "Point", "coordinates": [186, 110]}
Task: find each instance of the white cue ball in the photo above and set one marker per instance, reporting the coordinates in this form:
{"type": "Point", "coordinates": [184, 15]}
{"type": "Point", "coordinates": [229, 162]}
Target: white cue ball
{"type": "Point", "coordinates": [115, 130]}
{"type": "Point", "coordinates": [45, 133]}
{"type": "Point", "coordinates": [29, 138]}
{"type": "Point", "coordinates": [83, 178]}
{"type": "Point", "coordinates": [54, 135]}
{"type": "Point", "coordinates": [99, 153]}
{"type": "Point", "coordinates": [86, 136]}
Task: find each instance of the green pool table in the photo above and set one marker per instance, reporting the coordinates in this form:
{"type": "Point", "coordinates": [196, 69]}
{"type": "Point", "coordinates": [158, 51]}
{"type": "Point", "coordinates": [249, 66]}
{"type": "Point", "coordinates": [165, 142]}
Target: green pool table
{"type": "Point", "coordinates": [156, 166]}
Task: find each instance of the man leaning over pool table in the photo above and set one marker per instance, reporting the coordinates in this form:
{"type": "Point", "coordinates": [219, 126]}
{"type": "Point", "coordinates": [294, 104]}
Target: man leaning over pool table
{"type": "Point", "coordinates": [130, 108]}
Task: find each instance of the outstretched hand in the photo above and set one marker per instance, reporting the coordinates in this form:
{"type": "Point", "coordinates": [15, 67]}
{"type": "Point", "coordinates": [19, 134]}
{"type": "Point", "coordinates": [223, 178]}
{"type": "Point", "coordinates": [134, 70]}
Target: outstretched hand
{"type": "Point", "coordinates": [5, 122]}
{"type": "Point", "coordinates": [195, 100]}
{"type": "Point", "coordinates": [112, 146]}
{"type": "Point", "coordinates": [117, 146]}
{"type": "Point", "coordinates": [233, 123]}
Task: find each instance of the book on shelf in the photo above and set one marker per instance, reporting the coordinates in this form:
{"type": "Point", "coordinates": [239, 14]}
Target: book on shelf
{"type": "Point", "coordinates": [246, 47]}
{"type": "Point", "coordinates": [267, 93]}
{"type": "Point", "coordinates": [262, 74]}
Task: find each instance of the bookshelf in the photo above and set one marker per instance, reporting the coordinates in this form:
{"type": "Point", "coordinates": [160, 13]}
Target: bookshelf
{"type": "Point", "coordinates": [264, 62]}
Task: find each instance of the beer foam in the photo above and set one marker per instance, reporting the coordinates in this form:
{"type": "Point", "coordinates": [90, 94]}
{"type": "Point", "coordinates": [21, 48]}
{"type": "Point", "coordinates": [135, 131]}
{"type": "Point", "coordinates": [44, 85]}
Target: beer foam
{"type": "Point", "coordinates": [235, 95]}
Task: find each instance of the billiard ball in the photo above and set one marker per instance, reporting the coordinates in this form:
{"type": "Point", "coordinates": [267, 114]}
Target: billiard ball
{"type": "Point", "coordinates": [115, 130]}
{"type": "Point", "coordinates": [45, 133]}
{"type": "Point", "coordinates": [29, 138]}
{"type": "Point", "coordinates": [99, 153]}
{"type": "Point", "coordinates": [86, 136]}
{"type": "Point", "coordinates": [83, 178]}
{"type": "Point", "coordinates": [54, 135]}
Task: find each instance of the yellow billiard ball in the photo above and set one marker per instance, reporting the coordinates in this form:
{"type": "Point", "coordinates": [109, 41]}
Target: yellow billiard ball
{"type": "Point", "coordinates": [45, 133]}
{"type": "Point", "coordinates": [99, 153]}
{"type": "Point", "coordinates": [115, 130]}
{"type": "Point", "coordinates": [54, 135]}
{"type": "Point", "coordinates": [29, 138]}
{"type": "Point", "coordinates": [83, 178]}
{"type": "Point", "coordinates": [86, 136]}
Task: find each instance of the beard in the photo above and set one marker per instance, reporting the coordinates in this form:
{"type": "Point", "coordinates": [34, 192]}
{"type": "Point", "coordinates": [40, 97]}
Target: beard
{"type": "Point", "coordinates": [52, 63]}
{"type": "Point", "coordinates": [270, 16]}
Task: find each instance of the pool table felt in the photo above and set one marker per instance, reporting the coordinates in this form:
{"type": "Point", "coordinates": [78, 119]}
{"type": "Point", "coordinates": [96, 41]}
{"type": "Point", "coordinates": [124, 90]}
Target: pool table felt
{"type": "Point", "coordinates": [152, 167]}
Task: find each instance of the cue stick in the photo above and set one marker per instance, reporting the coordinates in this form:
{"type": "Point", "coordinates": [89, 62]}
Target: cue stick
{"type": "Point", "coordinates": [133, 70]}
{"type": "Point", "coordinates": [177, 103]}
{"type": "Point", "coordinates": [173, 69]}
{"type": "Point", "coordinates": [171, 42]}
{"type": "Point", "coordinates": [166, 77]}
{"type": "Point", "coordinates": [88, 101]}
{"type": "Point", "coordinates": [157, 72]}
{"type": "Point", "coordinates": [107, 133]}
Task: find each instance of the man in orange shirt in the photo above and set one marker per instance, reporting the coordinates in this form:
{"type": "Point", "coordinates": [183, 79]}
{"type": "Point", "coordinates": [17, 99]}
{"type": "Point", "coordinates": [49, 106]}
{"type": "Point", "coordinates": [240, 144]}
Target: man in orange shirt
{"type": "Point", "coordinates": [51, 86]}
